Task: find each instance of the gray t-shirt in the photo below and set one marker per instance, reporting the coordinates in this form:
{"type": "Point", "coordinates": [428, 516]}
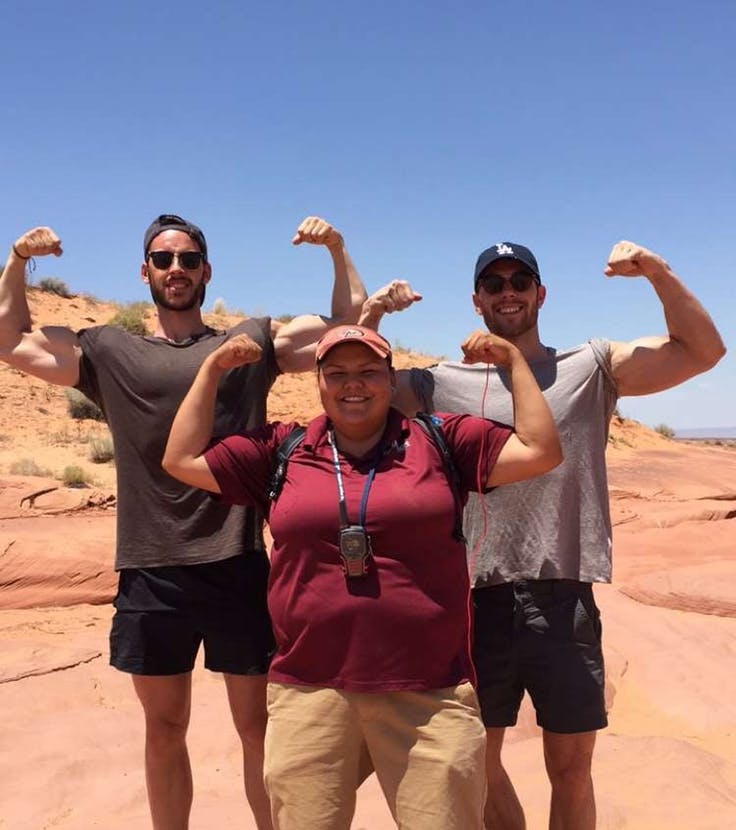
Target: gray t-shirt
{"type": "Point", "coordinates": [554, 526]}
{"type": "Point", "coordinates": [139, 382]}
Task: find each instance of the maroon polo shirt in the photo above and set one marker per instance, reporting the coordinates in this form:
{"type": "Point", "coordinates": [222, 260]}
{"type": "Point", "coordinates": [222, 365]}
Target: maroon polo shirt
{"type": "Point", "coordinates": [404, 625]}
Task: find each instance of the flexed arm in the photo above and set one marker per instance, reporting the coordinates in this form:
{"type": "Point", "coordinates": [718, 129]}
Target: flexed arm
{"type": "Point", "coordinates": [692, 344]}
{"type": "Point", "coordinates": [295, 341]}
{"type": "Point", "coordinates": [191, 429]}
{"type": "Point", "coordinates": [397, 295]}
{"type": "Point", "coordinates": [534, 448]}
{"type": "Point", "coordinates": [50, 353]}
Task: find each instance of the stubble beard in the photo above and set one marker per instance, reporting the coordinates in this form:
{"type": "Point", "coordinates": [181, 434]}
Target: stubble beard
{"type": "Point", "coordinates": [508, 329]}
{"type": "Point", "coordinates": [159, 299]}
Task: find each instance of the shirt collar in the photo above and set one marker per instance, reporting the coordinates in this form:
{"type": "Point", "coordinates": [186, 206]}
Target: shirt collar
{"type": "Point", "coordinates": [397, 430]}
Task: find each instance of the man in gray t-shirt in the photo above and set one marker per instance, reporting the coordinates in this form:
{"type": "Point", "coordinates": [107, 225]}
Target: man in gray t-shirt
{"type": "Point", "coordinates": [191, 570]}
{"type": "Point", "coordinates": [536, 547]}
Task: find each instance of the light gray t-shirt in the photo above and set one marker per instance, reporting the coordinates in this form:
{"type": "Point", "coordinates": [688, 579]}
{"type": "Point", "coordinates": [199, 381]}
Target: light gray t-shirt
{"type": "Point", "coordinates": [139, 382]}
{"type": "Point", "coordinates": [554, 526]}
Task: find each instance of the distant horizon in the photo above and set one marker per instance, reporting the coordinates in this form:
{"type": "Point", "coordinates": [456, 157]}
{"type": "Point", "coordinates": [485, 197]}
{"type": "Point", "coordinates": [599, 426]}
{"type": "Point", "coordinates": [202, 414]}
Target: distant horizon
{"type": "Point", "coordinates": [725, 433]}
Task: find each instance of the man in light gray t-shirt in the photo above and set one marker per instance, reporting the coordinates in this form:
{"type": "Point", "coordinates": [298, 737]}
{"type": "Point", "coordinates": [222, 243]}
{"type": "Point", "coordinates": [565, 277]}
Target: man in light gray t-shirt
{"type": "Point", "coordinates": [536, 547]}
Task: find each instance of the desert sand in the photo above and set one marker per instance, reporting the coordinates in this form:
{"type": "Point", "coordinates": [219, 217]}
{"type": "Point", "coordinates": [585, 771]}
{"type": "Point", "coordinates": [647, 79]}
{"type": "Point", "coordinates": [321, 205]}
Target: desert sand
{"type": "Point", "coordinates": [72, 737]}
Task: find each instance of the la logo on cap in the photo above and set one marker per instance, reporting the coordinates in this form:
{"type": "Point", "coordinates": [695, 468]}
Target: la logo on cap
{"type": "Point", "coordinates": [503, 249]}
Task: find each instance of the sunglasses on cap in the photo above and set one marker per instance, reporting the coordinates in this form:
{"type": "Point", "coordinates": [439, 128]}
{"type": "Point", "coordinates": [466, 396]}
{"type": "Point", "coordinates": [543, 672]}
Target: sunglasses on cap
{"type": "Point", "coordinates": [520, 281]}
{"type": "Point", "coordinates": [189, 260]}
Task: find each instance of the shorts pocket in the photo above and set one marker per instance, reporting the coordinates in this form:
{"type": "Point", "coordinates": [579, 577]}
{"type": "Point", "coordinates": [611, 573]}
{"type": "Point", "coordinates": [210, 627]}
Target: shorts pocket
{"type": "Point", "coordinates": [587, 623]}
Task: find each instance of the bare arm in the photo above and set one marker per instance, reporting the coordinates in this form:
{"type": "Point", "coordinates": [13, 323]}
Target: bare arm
{"type": "Point", "coordinates": [191, 429]}
{"type": "Point", "coordinates": [295, 341]}
{"type": "Point", "coordinates": [692, 344]}
{"type": "Point", "coordinates": [534, 448]}
{"type": "Point", "coordinates": [397, 295]}
{"type": "Point", "coordinates": [51, 353]}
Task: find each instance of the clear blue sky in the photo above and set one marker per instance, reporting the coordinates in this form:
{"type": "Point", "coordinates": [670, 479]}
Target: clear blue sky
{"type": "Point", "coordinates": [425, 131]}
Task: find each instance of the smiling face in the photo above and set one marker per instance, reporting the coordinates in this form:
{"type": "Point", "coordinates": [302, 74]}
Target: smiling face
{"type": "Point", "coordinates": [509, 313]}
{"type": "Point", "coordinates": [175, 288]}
{"type": "Point", "coordinates": [356, 387]}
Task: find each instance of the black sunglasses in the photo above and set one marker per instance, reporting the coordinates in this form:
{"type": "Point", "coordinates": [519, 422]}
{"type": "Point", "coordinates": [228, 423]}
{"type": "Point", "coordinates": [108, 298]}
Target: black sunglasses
{"type": "Point", "coordinates": [494, 284]}
{"type": "Point", "coordinates": [189, 260]}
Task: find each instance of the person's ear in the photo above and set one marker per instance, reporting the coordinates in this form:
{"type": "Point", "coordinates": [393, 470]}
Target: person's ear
{"type": "Point", "coordinates": [541, 295]}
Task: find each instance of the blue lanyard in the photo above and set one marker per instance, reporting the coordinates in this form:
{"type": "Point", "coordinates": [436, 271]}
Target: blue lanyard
{"type": "Point", "coordinates": [345, 522]}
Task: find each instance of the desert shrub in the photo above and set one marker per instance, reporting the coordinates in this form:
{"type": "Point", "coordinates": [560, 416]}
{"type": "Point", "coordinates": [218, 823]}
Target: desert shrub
{"type": "Point", "coordinates": [219, 307]}
{"type": "Point", "coordinates": [55, 286]}
{"type": "Point", "coordinates": [28, 467]}
{"type": "Point", "coordinates": [132, 318]}
{"type": "Point", "coordinates": [81, 407]}
{"type": "Point", "coordinates": [284, 318]}
{"type": "Point", "coordinates": [74, 476]}
{"type": "Point", "coordinates": [663, 429]}
{"type": "Point", "coordinates": [101, 450]}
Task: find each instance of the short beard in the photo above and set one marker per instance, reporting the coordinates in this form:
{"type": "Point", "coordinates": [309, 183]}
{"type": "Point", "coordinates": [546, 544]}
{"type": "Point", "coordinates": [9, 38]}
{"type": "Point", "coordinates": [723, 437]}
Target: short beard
{"type": "Point", "coordinates": [511, 333]}
{"type": "Point", "coordinates": [159, 299]}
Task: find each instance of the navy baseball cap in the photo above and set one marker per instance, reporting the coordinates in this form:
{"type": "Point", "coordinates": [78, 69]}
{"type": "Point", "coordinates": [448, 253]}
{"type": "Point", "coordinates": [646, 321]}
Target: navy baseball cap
{"type": "Point", "coordinates": [172, 222]}
{"type": "Point", "coordinates": [506, 250]}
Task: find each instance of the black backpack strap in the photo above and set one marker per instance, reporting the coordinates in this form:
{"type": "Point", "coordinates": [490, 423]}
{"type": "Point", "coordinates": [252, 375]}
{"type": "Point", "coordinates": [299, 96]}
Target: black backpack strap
{"type": "Point", "coordinates": [431, 425]}
{"type": "Point", "coordinates": [281, 458]}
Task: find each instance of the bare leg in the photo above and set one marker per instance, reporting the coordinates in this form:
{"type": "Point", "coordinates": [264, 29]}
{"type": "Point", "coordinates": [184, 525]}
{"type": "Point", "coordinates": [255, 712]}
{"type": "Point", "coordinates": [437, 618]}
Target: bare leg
{"type": "Point", "coordinates": [166, 702]}
{"type": "Point", "coordinates": [247, 697]}
{"type": "Point", "coordinates": [568, 759]}
{"type": "Point", "coordinates": [503, 810]}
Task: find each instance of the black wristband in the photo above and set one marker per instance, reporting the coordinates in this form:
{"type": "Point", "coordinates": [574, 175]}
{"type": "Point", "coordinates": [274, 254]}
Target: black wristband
{"type": "Point", "coordinates": [19, 254]}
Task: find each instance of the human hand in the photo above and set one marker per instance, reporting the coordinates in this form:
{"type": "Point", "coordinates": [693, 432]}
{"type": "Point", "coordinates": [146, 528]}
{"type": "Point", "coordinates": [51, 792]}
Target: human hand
{"type": "Point", "coordinates": [238, 351]}
{"type": "Point", "coordinates": [483, 347]}
{"type": "Point", "coordinates": [316, 231]}
{"type": "Point", "coordinates": [627, 259]}
{"type": "Point", "coordinates": [395, 296]}
{"type": "Point", "coordinates": [37, 242]}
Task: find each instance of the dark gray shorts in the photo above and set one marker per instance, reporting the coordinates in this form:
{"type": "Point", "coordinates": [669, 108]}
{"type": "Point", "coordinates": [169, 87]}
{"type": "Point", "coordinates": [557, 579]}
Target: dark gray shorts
{"type": "Point", "coordinates": [543, 637]}
{"type": "Point", "coordinates": [164, 614]}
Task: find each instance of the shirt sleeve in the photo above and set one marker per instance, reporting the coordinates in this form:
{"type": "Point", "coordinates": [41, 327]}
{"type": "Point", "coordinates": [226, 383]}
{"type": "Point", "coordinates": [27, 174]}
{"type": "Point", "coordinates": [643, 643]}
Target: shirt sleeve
{"type": "Point", "coordinates": [602, 354]}
{"type": "Point", "coordinates": [242, 464]}
{"type": "Point", "coordinates": [88, 384]}
{"type": "Point", "coordinates": [475, 444]}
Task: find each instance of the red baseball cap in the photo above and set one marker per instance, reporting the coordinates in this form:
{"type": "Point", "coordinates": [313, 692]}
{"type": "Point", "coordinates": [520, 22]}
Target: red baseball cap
{"type": "Point", "coordinates": [354, 334]}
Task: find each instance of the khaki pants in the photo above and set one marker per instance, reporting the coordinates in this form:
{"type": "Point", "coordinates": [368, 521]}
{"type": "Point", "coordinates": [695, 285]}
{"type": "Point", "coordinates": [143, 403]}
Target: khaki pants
{"type": "Point", "coordinates": [427, 748]}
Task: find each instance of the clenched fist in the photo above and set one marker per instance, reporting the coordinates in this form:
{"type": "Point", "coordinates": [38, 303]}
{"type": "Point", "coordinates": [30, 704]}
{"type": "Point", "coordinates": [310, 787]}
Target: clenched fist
{"type": "Point", "coordinates": [238, 351]}
{"type": "Point", "coordinates": [627, 259]}
{"type": "Point", "coordinates": [484, 347]}
{"type": "Point", "coordinates": [316, 231]}
{"type": "Point", "coordinates": [37, 242]}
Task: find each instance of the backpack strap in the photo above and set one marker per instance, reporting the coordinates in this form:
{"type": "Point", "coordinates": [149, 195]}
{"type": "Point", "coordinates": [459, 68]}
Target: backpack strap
{"type": "Point", "coordinates": [431, 425]}
{"type": "Point", "coordinates": [281, 458]}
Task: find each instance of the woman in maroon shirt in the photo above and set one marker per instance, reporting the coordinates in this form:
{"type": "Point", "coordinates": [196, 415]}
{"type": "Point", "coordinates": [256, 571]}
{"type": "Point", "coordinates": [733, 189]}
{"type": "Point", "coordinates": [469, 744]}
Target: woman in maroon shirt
{"type": "Point", "coordinates": [369, 589]}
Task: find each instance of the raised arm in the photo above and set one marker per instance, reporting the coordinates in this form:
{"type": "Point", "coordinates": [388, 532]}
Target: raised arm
{"type": "Point", "coordinates": [295, 341]}
{"type": "Point", "coordinates": [398, 295]}
{"type": "Point", "coordinates": [191, 429]}
{"type": "Point", "coordinates": [534, 448]}
{"type": "Point", "coordinates": [52, 352]}
{"type": "Point", "coordinates": [692, 344]}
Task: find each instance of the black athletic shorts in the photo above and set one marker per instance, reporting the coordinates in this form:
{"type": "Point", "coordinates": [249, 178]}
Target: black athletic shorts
{"type": "Point", "coordinates": [544, 637]}
{"type": "Point", "coordinates": [164, 614]}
